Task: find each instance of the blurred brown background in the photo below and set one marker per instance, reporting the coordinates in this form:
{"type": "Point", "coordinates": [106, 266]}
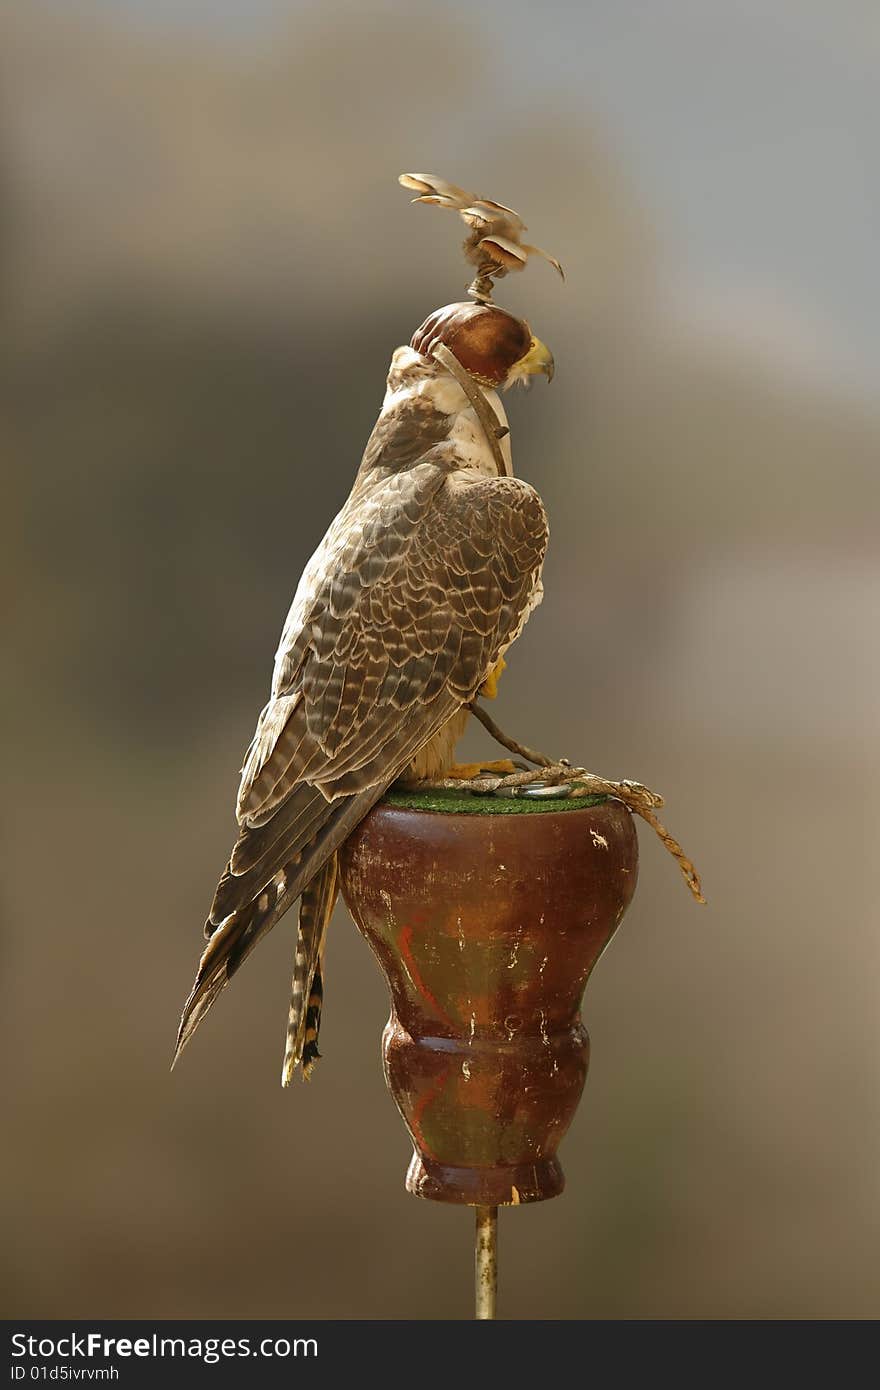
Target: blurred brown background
{"type": "Point", "coordinates": [206, 266]}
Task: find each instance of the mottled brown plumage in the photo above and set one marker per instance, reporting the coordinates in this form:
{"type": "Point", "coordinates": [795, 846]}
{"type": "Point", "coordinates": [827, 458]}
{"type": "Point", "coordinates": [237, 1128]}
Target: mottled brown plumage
{"type": "Point", "coordinates": [423, 580]}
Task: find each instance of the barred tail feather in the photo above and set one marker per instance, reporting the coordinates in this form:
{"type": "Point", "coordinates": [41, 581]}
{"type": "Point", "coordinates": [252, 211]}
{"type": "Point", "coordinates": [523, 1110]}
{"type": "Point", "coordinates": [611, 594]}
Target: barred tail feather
{"type": "Point", "coordinates": [307, 992]}
{"type": "Point", "coordinates": [313, 1021]}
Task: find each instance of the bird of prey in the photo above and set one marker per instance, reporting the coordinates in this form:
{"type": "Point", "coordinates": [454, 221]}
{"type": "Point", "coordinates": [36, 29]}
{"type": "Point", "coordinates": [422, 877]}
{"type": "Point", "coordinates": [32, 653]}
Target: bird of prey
{"type": "Point", "coordinates": [402, 616]}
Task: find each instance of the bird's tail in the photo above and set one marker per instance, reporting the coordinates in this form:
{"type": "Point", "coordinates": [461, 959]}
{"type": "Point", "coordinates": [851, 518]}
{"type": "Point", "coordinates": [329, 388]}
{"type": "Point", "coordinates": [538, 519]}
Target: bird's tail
{"type": "Point", "coordinates": [236, 935]}
{"type": "Point", "coordinates": [307, 993]}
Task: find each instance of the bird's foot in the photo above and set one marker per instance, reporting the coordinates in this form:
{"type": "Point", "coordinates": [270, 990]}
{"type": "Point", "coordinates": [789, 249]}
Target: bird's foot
{"type": "Point", "coordinates": [465, 771]}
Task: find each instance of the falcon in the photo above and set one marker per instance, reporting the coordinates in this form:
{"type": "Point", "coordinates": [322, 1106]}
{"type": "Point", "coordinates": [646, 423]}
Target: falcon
{"type": "Point", "coordinates": [401, 618]}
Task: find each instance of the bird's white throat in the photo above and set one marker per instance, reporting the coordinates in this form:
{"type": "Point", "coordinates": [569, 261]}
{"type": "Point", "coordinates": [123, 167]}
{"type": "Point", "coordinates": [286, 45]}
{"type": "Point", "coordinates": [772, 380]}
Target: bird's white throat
{"type": "Point", "coordinates": [444, 393]}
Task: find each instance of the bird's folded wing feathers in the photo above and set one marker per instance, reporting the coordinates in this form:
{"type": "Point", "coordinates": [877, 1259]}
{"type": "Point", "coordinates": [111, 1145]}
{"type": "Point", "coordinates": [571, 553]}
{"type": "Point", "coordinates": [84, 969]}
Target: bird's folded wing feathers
{"type": "Point", "coordinates": [427, 577]}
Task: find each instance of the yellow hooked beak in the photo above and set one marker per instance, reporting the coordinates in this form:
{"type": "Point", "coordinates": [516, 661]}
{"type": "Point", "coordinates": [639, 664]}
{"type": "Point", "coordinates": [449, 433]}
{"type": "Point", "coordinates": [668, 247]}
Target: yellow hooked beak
{"type": "Point", "coordinates": [539, 358]}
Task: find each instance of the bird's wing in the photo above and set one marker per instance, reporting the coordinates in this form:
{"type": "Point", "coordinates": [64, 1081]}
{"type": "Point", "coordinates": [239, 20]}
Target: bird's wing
{"type": "Point", "coordinates": [423, 581]}
{"type": "Point", "coordinates": [429, 577]}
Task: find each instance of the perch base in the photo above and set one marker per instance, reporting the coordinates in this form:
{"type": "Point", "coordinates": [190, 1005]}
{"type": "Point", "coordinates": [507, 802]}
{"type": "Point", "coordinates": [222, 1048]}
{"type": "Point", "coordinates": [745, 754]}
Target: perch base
{"type": "Point", "coordinates": [485, 1187]}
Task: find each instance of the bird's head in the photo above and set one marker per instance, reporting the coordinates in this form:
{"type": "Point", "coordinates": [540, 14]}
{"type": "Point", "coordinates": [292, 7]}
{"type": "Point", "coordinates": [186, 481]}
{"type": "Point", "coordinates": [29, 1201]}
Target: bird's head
{"type": "Point", "coordinates": [495, 347]}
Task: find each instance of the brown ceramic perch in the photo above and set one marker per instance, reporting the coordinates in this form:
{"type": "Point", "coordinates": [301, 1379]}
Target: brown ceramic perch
{"type": "Point", "coordinates": [487, 918]}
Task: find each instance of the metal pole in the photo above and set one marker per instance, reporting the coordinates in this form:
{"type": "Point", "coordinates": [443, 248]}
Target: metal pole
{"type": "Point", "coordinates": [486, 1261]}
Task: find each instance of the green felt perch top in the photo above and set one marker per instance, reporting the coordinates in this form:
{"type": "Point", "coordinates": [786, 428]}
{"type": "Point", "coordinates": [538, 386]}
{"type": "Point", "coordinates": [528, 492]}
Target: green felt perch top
{"type": "Point", "coordinates": [469, 804]}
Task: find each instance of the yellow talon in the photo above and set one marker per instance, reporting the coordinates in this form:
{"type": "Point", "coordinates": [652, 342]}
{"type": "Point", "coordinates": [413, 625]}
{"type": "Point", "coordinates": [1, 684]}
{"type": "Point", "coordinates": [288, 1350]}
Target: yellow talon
{"type": "Point", "coordinates": [463, 771]}
{"type": "Point", "coordinates": [489, 688]}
